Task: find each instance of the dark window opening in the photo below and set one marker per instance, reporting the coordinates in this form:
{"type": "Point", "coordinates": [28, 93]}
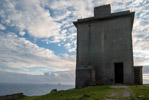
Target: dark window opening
{"type": "Point", "coordinates": [118, 72]}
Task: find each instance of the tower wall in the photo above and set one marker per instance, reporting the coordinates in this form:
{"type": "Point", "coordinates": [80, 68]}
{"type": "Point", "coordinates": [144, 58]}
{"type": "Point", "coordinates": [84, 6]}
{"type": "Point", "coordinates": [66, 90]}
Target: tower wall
{"type": "Point", "coordinates": [102, 42]}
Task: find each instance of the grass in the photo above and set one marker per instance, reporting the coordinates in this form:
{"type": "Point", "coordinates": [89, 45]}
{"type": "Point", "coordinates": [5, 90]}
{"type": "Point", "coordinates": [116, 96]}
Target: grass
{"type": "Point", "coordinates": [140, 92]}
{"type": "Point", "coordinates": [95, 93]}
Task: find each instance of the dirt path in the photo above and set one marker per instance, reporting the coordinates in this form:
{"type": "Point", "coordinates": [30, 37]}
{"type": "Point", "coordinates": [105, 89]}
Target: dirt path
{"type": "Point", "coordinates": [125, 94]}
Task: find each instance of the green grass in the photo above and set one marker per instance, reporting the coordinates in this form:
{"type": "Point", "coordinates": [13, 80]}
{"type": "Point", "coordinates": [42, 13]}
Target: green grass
{"type": "Point", "coordinates": [140, 92]}
{"type": "Point", "coordinates": [94, 93]}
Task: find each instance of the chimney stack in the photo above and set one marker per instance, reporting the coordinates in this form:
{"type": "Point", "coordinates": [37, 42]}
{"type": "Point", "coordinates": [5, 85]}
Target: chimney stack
{"type": "Point", "coordinates": [102, 11]}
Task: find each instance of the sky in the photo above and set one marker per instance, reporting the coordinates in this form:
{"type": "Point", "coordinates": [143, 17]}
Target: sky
{"type": "Point", "coordinates": [38, 38]}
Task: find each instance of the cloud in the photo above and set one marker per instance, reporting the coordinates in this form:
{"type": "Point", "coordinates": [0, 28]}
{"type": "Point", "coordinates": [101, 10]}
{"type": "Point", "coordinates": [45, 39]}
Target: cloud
{"type": "Point", "coordinates": [2, 27]}
{"type": "Point", "coordinates": [63, 77]}
{"type": "Point", "coordinates": [79, 9]}
{"type": "Point", "coordinates": [29, 15]}
{"type": "Point", "coordinates": [141, 61]}
{"type": "Point", "coordinates": [63, 16]}
{"type": "Point", "coordinates": [67, 11]}
{"type": "Point", "coordinates": [21, 53]}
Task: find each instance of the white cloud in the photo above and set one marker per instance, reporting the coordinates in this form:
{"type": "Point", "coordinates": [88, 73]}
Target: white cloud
{"type": "Point", "coordinates": [81, 8]}
{"type": "Point", "coordinates": [2, 27]}
{"type": "Point", "coordinates": [68, 11]}
{"type": "Point", "coordinates": [63, 31]}
{"type": "Point", "coordinates": [68, 45]}
{"type": "Point", "coordinates": [29, 15]}
{"type": "Point", "coordinates": [70, 48]}
{"type": "Point", "coordinates": [63, 16]}
{"type": "Point", "coordinates": [141, 61]}
{"type": "Point", "coordinates": [22, 33]}
{"type": "Point", "coordinates": [33, 17]}
{"type": "Point", "coordinates": [21, 53]}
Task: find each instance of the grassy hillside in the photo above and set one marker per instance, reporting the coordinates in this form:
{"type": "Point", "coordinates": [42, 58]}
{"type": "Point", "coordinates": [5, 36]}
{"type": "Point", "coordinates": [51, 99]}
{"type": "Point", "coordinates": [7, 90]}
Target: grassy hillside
{"type": "Point", "coordinates": [96, 93]}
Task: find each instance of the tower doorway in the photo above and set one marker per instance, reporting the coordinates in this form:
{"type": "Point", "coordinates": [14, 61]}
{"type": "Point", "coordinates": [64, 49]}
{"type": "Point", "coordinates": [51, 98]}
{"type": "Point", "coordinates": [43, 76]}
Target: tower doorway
{"type": "Point", "coordinates": [118, 67]}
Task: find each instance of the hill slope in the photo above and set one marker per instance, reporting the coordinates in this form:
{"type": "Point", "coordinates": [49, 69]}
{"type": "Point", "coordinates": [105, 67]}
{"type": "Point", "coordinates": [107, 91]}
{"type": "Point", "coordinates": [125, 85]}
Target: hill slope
{"type": "Point", "coordinates": [97, 93]}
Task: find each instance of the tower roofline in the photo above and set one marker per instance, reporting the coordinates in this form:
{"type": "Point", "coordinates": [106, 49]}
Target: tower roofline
{"type": "Point", "coordinates": [103, 13]}
{"type": "Point", "coordinates": [111, 16]}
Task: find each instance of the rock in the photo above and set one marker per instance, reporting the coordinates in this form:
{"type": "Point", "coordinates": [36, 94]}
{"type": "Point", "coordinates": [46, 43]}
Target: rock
{"type": "Point", "coordinates": [12, 96]}
{"type": "Point", "coordinates": [84, 96]}
{"type": "Point", "coordinates": [114, 94]}
{"type": "Point", "coordinates": [53, 90]}
{"type": "Point", "coordinates": [126, 94]}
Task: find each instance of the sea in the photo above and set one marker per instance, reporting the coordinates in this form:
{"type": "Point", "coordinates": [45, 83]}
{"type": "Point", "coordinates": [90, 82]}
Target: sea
{"type": "Point", "coordinates": [31, 89]}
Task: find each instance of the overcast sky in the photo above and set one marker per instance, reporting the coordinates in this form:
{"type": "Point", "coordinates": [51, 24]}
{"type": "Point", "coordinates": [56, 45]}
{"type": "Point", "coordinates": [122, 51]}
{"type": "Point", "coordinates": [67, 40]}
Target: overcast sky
{"type": "Point", "coordinates": [38, 38]}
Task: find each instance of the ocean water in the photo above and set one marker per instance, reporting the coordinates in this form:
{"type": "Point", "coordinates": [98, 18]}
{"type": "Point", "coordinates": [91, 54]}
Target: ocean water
{"type": "Point", "coordinates": [31, 89]}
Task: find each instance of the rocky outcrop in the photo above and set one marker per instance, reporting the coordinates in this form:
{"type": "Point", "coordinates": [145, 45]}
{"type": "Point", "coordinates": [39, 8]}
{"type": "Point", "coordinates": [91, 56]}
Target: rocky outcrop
{"type": "Point", "coordinates": [53, 90]}
{"type": "Point", "coordinates": [12, 96]}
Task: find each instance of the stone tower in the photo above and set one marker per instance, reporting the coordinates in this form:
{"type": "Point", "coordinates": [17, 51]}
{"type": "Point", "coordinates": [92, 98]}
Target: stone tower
{"type": "Point", "coordinates": [104, 48]}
